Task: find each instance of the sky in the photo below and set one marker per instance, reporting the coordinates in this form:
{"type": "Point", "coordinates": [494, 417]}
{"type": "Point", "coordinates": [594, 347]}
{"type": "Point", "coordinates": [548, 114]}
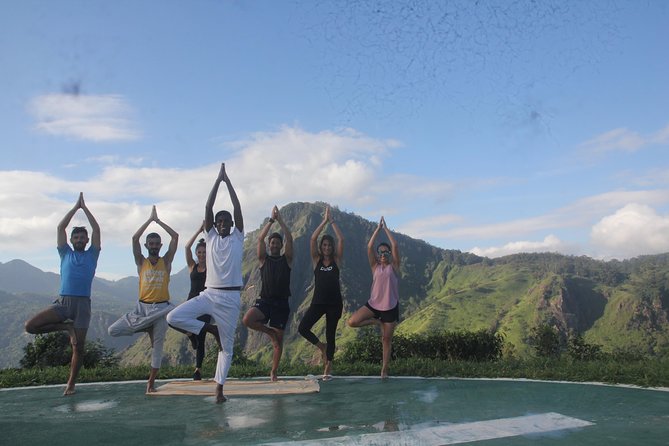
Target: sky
{"type": "Point", "coordinates": [489, 127]}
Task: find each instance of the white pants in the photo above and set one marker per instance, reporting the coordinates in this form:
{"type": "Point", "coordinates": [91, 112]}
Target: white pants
{"type": "Point", "coordinates": [223, 306]}
{"type": "Point", "coordinates": [145, 317]}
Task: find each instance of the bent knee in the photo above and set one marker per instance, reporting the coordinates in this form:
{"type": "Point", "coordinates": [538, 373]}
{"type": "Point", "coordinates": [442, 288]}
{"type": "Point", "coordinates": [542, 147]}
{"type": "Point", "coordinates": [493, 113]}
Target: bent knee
{"type": "Point", "coordinates": [30, 327]}
{"type": "Point", "coordinates": [114, 331]}
{"type": "Point", "coordinates": [353, 322]}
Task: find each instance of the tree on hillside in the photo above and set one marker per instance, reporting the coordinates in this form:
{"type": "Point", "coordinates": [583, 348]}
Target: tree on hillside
{"type": "Point", "coordinates": [54, 350]}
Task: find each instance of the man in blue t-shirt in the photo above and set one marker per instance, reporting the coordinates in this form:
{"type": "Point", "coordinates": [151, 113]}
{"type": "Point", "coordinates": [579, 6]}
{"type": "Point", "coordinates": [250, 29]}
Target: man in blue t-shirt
{"type": "Point", "coordinates": [72, 311]}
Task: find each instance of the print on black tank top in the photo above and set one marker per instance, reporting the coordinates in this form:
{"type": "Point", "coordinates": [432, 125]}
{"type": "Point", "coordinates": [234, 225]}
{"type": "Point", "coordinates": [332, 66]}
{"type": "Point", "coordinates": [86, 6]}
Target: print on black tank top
{"type": "Point", "coordinates": [326, 284]}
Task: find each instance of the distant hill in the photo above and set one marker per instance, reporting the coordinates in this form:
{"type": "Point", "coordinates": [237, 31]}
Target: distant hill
{"type": "Point", "coordinates": [618, 304]}
{"type": "Point", "coordinates": [25, 290]}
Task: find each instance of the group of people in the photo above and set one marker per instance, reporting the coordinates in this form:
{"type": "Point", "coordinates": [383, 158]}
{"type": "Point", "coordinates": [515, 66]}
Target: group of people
{"type": "Point", "coordinates": [214, 301]}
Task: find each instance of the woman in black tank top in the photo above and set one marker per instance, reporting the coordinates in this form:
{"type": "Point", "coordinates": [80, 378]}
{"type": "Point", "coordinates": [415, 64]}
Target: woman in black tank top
{"type": "Point", "coordinates": [198, 276]}
{"type": "Point", "coordinates": [327, 299]}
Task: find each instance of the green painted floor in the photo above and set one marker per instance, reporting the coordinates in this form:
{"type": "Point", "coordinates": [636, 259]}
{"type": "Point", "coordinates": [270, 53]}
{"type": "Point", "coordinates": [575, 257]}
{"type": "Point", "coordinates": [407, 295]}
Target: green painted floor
{"type": "Point", "coordinates": [346, 411]}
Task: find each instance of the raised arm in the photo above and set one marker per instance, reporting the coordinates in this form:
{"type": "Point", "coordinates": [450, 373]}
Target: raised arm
{"type": "Point", "coordinates": [95, 227]}
{"type": "Point", "coordinates": [371, 251]}
{"type": "Point", "coordinates": [314, 237]}
{"type": "Point", "coordinates": [189, 248]}
{"type": "Point", "coordinates": [287, 236]}
{"type": "Point", "coordinates": [237, 208]}
{"type": "Point", "coordinates": [61, 234]}
{"type": "Point", "coordinates": [209, 207]}
{"type": "Point", "coordinates": [136, 247]}
{"type": "Point", "coordinates": [393, 246]}
{"type": "Point", "coordinates": [261, 249]}
{"type": "Point", "coordinates": [174, 241]}
{"type": "Point", "coordinates": [339, 254]}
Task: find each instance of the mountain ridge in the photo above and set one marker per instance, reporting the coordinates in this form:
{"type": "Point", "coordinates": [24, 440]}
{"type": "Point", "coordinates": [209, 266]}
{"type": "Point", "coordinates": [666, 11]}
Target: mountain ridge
{"type": "Point", "coordinates": [618, 304]}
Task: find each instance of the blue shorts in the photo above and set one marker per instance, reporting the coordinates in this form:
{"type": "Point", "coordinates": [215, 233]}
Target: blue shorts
{"type": "Point", "coordinates": [74, 308]}
{"type": "Point", "coordinates": [388, 316]}
{"type": "Point", "coordinates": [276, 311]}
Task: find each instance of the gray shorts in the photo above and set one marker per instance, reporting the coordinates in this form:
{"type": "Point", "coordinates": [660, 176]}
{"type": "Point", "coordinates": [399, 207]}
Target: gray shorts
{"type": "Point", "coordinates": [74, 308]}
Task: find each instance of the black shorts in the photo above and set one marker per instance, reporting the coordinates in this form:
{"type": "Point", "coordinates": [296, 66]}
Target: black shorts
{"type": "Point", "coordinates": [276, 311]}
{"type": "Point", "coordinates": [388, 316]}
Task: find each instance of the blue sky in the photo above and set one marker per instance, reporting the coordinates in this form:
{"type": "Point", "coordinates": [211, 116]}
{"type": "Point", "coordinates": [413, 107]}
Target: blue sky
{"type": "Point", "coordinates": [489, 127]}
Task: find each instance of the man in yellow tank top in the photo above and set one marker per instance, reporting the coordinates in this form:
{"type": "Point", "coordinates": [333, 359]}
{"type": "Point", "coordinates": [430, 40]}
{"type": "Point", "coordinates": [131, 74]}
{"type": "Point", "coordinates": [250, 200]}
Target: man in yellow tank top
{"type": "Point", "coordinates": [154, 297]}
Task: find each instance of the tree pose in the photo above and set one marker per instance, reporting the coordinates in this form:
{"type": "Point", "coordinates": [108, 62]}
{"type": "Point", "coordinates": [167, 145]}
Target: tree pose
{"type": "Point", "coordinates": [382, 308]}
{"type": "Point", "coordinates": [72, 311]}
{"type": "Point", "coordinates": [272, 306]}
{"type": "Point", "coordinates": [327, 299]}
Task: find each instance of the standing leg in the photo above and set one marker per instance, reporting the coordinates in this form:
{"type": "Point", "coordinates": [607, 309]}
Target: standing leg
{"type": "Point", "coordinates": [387, 330]}
{"type": "Point", "coordinates": [332, 317]}
{"type": "Point", "coordinates": [277, 345]}
{"type": "Point", "coordinates": [157, 334]}
{"type": "Point", "coordinates": [225, 313]}
{"type": "Point", "coordinates": [78, 344]}
{"type": "Point", "coordinates": [312, 315]}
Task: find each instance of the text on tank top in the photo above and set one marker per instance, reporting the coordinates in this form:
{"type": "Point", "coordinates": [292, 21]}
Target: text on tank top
{"type": "Point", "coordinates": [326, 284]}
{"type": "Point", "coordinates": [154, 282]}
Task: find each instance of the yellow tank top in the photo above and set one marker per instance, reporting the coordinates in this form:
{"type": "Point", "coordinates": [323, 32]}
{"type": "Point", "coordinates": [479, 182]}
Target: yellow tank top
{"type": "Point", "coordinates": [154, 282]}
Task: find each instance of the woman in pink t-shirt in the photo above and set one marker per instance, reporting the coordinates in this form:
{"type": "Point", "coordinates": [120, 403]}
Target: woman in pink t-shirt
{"type": "Point", "coordinates": [383, 307]}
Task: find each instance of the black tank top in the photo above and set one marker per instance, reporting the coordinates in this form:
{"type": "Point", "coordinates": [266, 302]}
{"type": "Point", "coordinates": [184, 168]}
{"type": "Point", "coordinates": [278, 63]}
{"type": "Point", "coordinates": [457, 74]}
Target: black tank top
{"type": "Point", "coordinates": [275, 276]}
{"type": "Point", "coordinates": [197, 280]}
{"type": "Point", "coordinates": [326, 284]}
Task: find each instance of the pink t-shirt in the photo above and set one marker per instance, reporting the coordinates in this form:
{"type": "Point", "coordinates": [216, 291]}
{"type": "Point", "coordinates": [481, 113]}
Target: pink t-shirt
{"type": "Point", "coordinates": [385, 294]}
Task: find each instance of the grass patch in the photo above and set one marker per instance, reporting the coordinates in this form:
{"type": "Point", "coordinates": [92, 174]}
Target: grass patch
{"type": "Point", "coordinates": [643, 372]}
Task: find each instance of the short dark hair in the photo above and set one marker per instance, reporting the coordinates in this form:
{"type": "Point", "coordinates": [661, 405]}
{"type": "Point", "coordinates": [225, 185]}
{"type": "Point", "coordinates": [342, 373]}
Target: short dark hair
{"type": "Point", "coordinates": [226, 213]}
{"type": "Point", "coordinates": [275, 235]}
{"type": "Point", "coordinates": [152, 235]}
{"type": "Point", "coordinates": [78, 229]}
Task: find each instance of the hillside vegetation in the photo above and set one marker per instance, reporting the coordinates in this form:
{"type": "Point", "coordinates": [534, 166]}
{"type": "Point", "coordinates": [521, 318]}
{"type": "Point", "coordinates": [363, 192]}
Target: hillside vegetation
{"type": "Point", "coordinates": [620, 305]}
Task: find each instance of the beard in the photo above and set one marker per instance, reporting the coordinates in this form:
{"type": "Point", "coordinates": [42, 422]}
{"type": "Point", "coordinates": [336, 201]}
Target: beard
{"type": "Point", "coordinates": [154, 252]}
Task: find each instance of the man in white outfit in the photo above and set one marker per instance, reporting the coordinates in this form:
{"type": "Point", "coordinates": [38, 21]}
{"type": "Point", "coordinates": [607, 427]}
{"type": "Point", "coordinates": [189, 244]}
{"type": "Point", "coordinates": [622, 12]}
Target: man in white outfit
{"type": "Point", "coordinates": [222, 297]}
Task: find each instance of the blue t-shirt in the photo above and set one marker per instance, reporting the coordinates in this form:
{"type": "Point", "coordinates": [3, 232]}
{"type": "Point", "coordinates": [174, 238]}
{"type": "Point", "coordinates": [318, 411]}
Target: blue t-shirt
{"type": "Point", "coordinates": [77, 269]}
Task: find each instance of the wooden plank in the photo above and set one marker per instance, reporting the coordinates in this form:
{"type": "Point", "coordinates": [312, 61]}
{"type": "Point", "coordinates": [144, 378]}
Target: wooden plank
{"type": "Point", "coordinates": [239, 387]}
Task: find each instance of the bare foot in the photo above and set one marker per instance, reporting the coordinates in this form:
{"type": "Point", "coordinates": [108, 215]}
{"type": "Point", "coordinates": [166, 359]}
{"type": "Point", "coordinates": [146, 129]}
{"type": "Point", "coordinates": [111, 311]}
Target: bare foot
{"type": "Point", "coordinates": [151, 387]}
{"type": "Point", "coordinates": [273, 376]}
{"type": "Point", "coordinates": [69, 390]}
{"type": "Point", "coordinates": [328, 369]}
{"type": "Point", "coordinates": [220, 398]}
{"type": "Point", "coordinates": [384, 374]}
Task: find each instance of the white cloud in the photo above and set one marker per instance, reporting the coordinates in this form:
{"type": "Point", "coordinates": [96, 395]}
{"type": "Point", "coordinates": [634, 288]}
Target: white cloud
{"type": "Point", "coordinates": [98, 118]}
{"type": "Point", "coordinates": [630, 231]}
{"type": "Point", "coordinates": [549, 244]}
{"type": "Point", "coordinates": [625, 140]}
{"type": "Point", "coordinates": [583, 212]}
{"type": "Point", "coordinates": [342, 167]}
{"type": "Point", "coordinates": [115, 159]}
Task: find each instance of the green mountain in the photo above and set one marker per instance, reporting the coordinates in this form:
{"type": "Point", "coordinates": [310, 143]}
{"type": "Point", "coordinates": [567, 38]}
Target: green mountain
{"type": "Point", "coordinates": [620, 305]}
{"type": "Point", "coordinates": [617, 304]}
